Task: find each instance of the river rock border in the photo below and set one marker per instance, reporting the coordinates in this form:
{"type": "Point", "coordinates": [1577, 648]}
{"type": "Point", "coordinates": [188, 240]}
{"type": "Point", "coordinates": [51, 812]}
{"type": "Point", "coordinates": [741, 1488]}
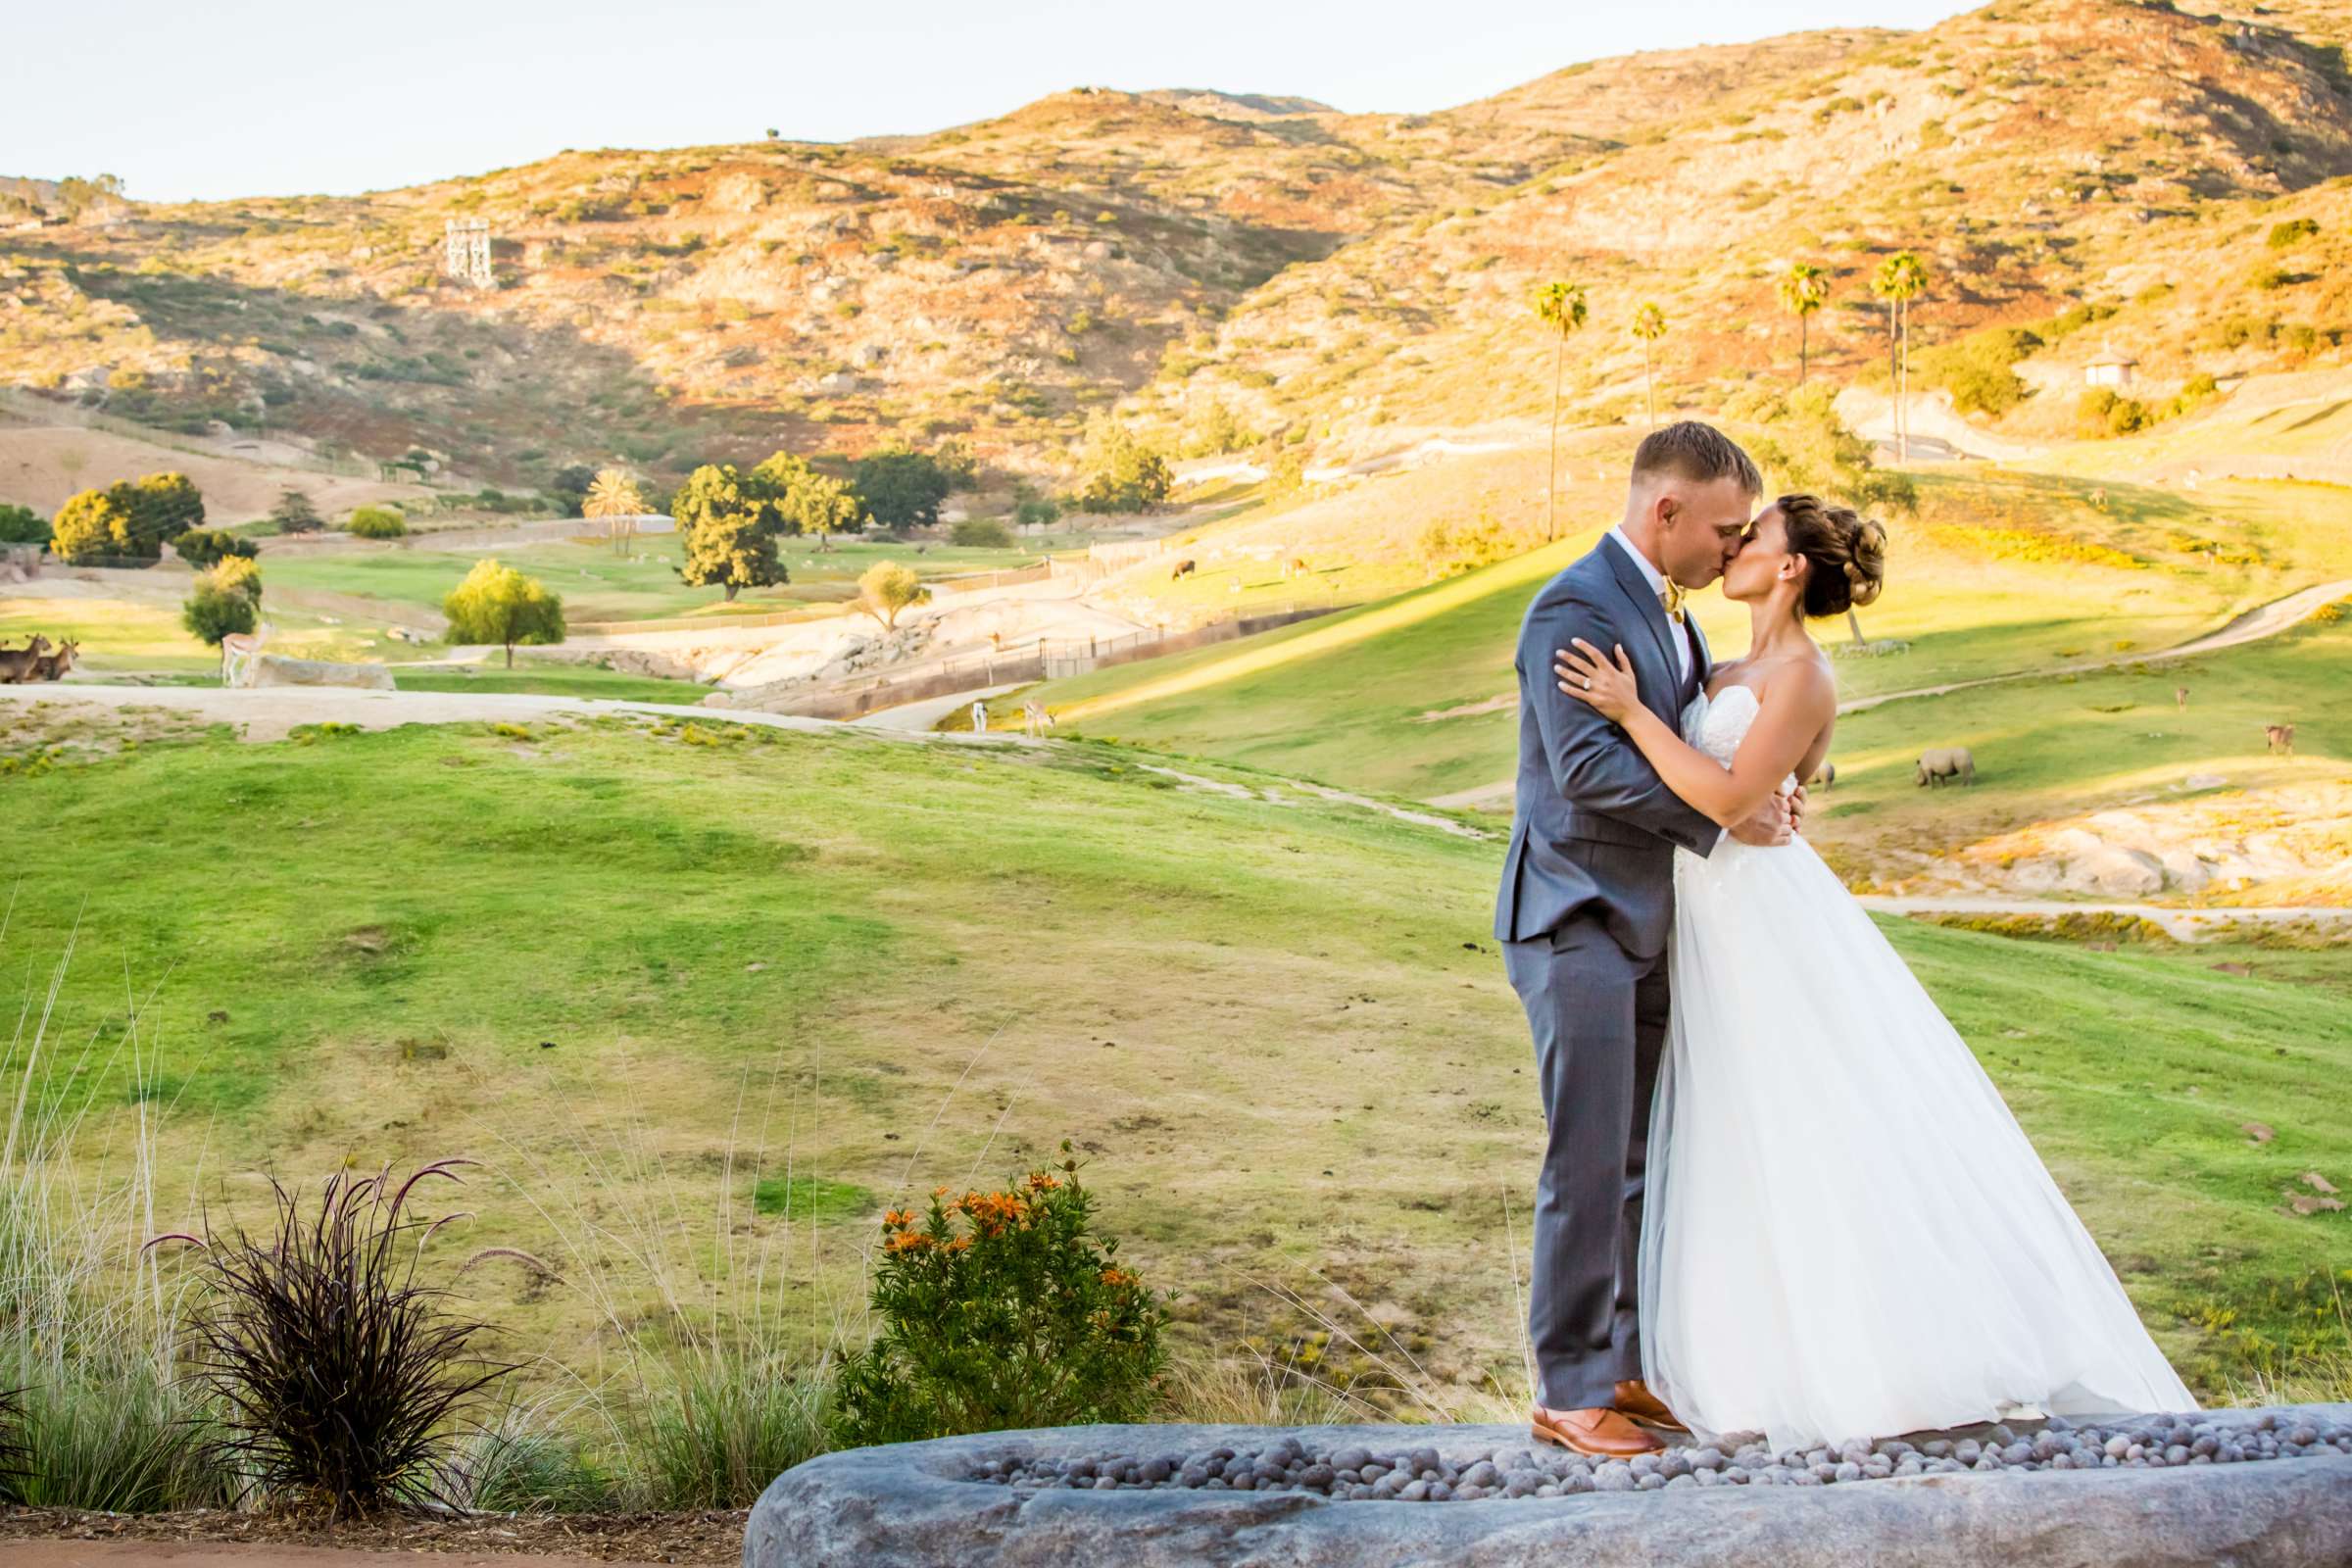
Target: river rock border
{"type": "Point", "coordinates": [955, 1501]}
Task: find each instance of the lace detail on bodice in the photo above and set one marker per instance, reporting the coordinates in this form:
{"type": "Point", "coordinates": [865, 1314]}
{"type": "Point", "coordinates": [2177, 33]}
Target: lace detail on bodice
{"type": "Point", "coordinates": [1717, 724]}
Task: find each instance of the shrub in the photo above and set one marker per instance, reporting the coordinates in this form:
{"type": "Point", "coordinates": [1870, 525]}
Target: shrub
{"type": "Point", "coordinates": [239, 575]}
{"type": "Point", "coordinates": [900, 487]}
{"type": "Point", "coordinates": [981, 533]}
{"type": "Point", "coordinates": [496, 604]}
{"type": "Point", "coordinates": [2274, 277]}
{"type": "Point", "coordinates": [2294, 231]}
{"type": "Point", "coordinates": [203, 547]}
{"type": "Point", "coordinates": [339, 1376]}
{"type": "Point", "coordinates": [1976, 369]}
{"type": "Point", "coordinates": [568, 488]}
{"type": "Point", "coordinates": [2099, 411]}
{"type": "Point", "coordinates": [1446, 547]}
{"type": "Point", "coordinates": [1123, 474]}
{"type": "Point", "coordinates": [377, 522]}
{"type": "Point", "coordinates": [90, 527]}
{"type": "Point", "coordinates": [803, 500]}
{"type": "Point", "coordinates": [21, 526]}
{"type": "Point", "coordinates": [294, 513]}
{"type": "Point", "coordinates": [886, 589]}
{"type": "Point", "coordinates": [1001, 1310]}
{"type": "Point", "coordinates": [213, 611]}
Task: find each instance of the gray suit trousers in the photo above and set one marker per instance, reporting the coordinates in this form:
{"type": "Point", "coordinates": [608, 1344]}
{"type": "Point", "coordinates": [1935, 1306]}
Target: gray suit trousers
{"type": "Point", "coordinates": [1598, 1015]}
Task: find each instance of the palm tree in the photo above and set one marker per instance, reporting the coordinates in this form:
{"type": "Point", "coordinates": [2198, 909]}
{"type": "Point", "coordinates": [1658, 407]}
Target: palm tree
{"type": "Point", "coordinates": [1804, 289]}
{"type": "Point", "coordinates": [1650, 325]}
{"type": "Point", "coordinates": [1559, 305]}
{"type": "Point", "coordinates": [1902, 277]}
{"type": "Point", "coordinates": [614, 496]}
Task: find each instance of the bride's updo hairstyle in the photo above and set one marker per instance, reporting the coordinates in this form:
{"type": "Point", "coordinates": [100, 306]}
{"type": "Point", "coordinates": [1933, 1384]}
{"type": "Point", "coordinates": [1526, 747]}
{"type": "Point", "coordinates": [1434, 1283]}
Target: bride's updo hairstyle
{"type": "Point", "coordinates": [1847, 550]}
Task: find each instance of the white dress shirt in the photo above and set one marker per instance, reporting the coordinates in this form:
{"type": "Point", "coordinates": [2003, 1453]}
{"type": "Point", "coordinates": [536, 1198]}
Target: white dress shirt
{"type": "Point", "coordinates": [1658, 588]}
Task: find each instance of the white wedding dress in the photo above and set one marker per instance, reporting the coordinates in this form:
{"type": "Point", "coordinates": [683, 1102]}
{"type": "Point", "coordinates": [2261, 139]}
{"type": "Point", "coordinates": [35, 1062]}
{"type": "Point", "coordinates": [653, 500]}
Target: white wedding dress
{"type": "Point", "coordinates": [1845, 1233]}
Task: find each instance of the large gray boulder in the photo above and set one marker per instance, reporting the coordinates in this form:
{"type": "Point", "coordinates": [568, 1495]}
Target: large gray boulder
{"type": "Point", "coordinates": [932, 1504]}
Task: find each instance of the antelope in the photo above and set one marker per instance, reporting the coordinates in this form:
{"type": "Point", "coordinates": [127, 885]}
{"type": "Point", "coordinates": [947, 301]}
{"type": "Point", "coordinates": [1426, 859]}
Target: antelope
{"type": "Point", "coordinates": [2180, 697]}
{"type": "Point", "coordinates": [2280, 737]}
{"type": "Point", "coordinates": [17, 663]}
{"type": "Point", "coordinates": [1184, 569]}
{"type": "Point", "coordinates": [1034, 717]}
{"type": "Point", "coordinates": [51, 666]}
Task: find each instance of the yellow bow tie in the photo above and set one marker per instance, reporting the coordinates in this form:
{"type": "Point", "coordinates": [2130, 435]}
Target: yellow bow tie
{"type": "Point", "coordinates": [1672, 592]}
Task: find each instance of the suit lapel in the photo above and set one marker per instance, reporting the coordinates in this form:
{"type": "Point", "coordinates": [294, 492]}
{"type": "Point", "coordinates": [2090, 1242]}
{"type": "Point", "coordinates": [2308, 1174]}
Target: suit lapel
{"type": "Point", "coordinates": [1702, 659]}
{"type": "Point", "coordinates": [1653, 615]}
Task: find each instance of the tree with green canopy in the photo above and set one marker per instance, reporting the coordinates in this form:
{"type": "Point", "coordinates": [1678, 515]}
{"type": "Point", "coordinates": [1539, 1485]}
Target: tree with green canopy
{"type": "Point", "coordinates": [496, 604]}
{"type": "Point", "coordinates": [728, 528]}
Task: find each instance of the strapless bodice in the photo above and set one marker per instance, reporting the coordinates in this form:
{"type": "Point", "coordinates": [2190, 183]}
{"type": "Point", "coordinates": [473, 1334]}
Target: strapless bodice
{"type": "Point", "coordinates": [1717, 724]}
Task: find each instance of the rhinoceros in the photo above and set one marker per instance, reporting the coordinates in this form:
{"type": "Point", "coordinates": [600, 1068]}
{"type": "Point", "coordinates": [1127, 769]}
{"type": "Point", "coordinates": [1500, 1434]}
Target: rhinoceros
{"type": "Point", "coordinates": [1941, 763]}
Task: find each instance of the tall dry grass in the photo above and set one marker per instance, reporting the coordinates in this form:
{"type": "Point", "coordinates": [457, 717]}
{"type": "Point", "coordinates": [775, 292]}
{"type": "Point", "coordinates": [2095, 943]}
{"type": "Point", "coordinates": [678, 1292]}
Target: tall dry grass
{"type": "Point", "coordinates": [88, 1314]}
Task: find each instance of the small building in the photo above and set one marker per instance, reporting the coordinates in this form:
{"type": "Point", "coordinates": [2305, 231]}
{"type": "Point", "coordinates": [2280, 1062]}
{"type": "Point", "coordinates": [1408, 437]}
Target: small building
{"type": "Point", "coordinates": [2109, 369]}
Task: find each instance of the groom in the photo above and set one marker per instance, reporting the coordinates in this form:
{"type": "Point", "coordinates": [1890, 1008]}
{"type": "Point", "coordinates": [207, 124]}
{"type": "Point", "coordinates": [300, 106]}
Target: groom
{"type": "Point", "coordinates": [1586, 904]}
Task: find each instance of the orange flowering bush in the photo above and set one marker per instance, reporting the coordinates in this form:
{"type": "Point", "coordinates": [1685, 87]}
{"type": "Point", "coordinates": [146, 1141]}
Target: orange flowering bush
{"type": "Point", "coordinates": [1000, 1310]}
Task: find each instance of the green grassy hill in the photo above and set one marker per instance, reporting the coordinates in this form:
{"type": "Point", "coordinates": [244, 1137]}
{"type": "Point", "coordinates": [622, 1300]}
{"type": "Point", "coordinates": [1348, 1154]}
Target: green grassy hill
{"type": "Point", "coordinates": [1997, 573]}
{"type": "Point", "coordinates": [630, 963]}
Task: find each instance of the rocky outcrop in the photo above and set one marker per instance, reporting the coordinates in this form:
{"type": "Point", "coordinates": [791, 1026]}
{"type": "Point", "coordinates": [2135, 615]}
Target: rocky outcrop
{"type": "Point", "coordinates": [955, 1501]}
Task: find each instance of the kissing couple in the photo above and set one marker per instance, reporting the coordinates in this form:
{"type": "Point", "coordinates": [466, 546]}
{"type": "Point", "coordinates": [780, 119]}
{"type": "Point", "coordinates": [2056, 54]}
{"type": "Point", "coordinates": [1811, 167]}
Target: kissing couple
{"type": "Point", "coordinates": [1779, 1196]}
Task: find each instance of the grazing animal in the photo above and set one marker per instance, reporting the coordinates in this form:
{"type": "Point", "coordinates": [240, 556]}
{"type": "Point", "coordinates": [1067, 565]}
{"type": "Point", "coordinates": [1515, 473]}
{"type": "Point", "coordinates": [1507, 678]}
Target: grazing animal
{"type": "Point", "coordinates": [1184, 569]}
{"type": "Point", "coordinates": [2098, 499]}
{"type": "Point", "coordinates": [2180, 697]}
{"type": "Point", "coordinates": [1034, 717]}
{"type": "Point", "coordinates": [2280, 737]}
{"type": "Point", "coordinates": [1825, 775]}
{"type": "Point", "coordinates": [49, 667]}
{"type": "Point", "coordinates": [17, 663]}
{"type": "Point", "coordinates": [1946, 762]}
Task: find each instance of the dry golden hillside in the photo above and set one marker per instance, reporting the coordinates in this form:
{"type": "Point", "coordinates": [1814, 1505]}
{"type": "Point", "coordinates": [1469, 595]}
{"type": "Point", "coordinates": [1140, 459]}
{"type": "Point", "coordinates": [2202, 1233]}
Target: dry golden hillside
{"type": "Point", "coordinates": [1345, 281]}
{"type": "Point", "coordinates": [2036, 155]}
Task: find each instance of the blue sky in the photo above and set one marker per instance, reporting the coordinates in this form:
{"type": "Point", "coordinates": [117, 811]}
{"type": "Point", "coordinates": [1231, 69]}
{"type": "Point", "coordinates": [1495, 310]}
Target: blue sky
{"type": "Point", "coordinates": [271, 97]}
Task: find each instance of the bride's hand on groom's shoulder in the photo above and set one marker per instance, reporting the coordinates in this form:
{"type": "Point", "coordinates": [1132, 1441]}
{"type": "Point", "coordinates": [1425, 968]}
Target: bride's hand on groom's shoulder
{"type": "Point", "coordinates": [1603, 684]}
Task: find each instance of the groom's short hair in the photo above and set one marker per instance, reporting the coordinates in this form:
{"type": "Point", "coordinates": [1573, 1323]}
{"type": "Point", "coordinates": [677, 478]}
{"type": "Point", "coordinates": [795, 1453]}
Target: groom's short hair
{"type": "Point", "coordinates": [1698, 453]}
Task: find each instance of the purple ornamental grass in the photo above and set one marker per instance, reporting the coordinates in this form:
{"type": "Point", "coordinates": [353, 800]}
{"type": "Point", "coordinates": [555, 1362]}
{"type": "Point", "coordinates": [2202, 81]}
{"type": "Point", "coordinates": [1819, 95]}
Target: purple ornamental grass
{"type": "Point", "coordinates": [341, 1379]}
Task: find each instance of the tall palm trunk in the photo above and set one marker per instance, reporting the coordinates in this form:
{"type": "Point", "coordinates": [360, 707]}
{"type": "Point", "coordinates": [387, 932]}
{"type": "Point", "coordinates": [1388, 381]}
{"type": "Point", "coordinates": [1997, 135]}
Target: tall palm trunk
{"type": "Point", "coordinates": [1854, 624]}
{"type": "Point", "coordinates": [1803, 345]}
{"type": "Point", "coordinates": [1552, 489]}
{"type": "Point", "coordinates": [1649, 385]}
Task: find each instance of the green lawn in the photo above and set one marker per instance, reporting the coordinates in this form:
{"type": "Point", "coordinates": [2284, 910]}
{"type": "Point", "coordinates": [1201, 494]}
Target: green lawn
{"type": "Point", "coordinates": [1998, 573]}
{"type": "Point", "coordinates": [2061, 747]}
{"type": "Point", "coordinates": [584, 953]}
{"type": "Point", "coordinates": [126, 634]}
{"type": "Point", "coordinates": [596, 584]}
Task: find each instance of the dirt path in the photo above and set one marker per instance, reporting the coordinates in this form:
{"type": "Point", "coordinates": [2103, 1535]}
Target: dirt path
{"type": "Point", "coordinates": [2264, 620]}
{"type": "Point", "coordinates": [2185, 925]}
{"type": "Point", "coordinates": [267, 713]}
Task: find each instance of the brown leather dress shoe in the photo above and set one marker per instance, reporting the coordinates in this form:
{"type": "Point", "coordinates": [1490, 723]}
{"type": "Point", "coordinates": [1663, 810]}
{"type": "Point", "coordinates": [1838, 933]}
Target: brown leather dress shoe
{"type": "Point", "coordinates": [1603, 1433]}
{"type": "Point", "coordinates": [1635, 1401]}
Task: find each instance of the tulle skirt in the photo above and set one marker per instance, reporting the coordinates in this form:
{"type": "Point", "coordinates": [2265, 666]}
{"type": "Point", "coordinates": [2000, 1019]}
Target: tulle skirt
{"type": "Point", "coordinates": [1845, 1232]}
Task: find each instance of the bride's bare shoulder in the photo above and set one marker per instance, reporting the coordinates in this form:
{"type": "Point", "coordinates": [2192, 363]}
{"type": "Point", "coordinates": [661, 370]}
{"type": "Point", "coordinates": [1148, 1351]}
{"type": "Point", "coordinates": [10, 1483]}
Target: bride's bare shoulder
{"type": "Point", "coordinates": [1808, 684]}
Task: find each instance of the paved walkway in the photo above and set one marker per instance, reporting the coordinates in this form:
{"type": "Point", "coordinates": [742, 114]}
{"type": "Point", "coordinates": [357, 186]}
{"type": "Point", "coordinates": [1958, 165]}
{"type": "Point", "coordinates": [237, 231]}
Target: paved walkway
{"type": "Point", "coordinates": [921, 716]}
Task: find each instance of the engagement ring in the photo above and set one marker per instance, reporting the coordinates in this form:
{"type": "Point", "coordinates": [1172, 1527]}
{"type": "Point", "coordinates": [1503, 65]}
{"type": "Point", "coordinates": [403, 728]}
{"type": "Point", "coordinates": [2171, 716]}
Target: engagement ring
{"type": "Point", "coordinates": [1588, 683]}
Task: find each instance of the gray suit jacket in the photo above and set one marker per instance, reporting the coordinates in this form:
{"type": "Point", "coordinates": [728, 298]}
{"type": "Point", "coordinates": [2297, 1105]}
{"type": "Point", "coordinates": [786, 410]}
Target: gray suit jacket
{"type": "Point", "coordinates": [1595, 828]}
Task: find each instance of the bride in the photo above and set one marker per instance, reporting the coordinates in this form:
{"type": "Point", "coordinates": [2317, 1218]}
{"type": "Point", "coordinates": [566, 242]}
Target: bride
{"type": "Point", "coordinates": [1847, 1234]}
